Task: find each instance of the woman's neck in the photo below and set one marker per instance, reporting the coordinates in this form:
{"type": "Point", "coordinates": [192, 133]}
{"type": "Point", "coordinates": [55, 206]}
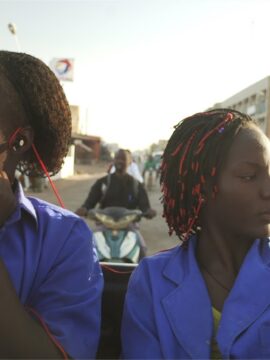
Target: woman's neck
{"type": "Point", "coordinates": [220, 259]}
{"type": "Point", "coordinates": [222, 255]}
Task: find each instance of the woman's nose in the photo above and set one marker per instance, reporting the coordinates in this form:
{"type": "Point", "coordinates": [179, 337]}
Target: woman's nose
{"type": "Point", "coordinates": [265, 188]}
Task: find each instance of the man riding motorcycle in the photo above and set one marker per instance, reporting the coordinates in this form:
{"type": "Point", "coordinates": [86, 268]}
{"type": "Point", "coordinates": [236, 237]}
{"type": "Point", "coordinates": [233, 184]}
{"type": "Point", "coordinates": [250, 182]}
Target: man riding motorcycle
{"type": "Point", "coordinates": [118, 189]}
{"type": "Point", "coordinates": [121, 191]}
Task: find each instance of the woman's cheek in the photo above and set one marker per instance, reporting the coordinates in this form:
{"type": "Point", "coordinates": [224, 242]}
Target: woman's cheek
{"type": "Point", "coordinates": [3, 158]}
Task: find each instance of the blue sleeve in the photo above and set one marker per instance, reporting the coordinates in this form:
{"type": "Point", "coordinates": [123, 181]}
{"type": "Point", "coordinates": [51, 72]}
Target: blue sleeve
{"type": "Point", "coordinates": [139, 334]}
{"type": "Point", "coordinates": [69, 299]}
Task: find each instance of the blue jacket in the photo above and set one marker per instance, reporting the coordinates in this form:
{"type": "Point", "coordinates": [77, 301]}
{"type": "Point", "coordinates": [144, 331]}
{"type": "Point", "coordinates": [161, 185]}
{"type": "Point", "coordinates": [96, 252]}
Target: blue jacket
{"type": "Point", "coordinates": [53, 265]}
{"type": "Point", "coordinates": [168, 311]}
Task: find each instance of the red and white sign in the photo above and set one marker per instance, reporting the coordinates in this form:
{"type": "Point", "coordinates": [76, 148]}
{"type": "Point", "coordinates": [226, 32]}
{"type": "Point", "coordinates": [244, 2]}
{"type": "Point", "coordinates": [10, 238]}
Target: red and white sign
{"type": "Point", "coordinates": [63, 68]}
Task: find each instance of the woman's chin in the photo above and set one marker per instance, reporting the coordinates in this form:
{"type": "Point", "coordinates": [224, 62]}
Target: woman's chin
{"type": "Point", "coordinates": [264, 232]}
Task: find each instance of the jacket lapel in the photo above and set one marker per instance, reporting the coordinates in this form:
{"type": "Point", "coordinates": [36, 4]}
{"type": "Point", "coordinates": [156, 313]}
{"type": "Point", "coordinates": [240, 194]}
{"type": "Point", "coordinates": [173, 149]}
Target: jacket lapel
{"type": "Point", "coordinates": [249, 297]}
{"type": "Point", "coordinates": [188, 307]}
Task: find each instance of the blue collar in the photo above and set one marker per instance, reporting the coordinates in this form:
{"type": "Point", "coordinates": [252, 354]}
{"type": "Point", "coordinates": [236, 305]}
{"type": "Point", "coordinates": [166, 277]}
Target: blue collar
{"type": "Point", "coordinates": [23, 203]}
{"type": "Point", "coordinates": [189, 302]}
{"type": "Point", "coordinates": [183, 260]}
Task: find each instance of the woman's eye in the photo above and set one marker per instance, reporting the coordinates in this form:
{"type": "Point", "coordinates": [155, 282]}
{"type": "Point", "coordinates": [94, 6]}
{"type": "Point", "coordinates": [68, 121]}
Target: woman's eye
{"type": "Point", "coordinates": [248, 177]}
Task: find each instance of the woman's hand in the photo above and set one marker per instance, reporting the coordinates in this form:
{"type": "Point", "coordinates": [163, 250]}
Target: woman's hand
{"type": "Point", "coordinates": [7, 198]}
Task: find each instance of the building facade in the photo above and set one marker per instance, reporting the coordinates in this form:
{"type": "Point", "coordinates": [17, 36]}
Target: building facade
{"type": "Point", "coordinates": [87, 146]}
{"type": "Point", "coordinates": [254, 101]}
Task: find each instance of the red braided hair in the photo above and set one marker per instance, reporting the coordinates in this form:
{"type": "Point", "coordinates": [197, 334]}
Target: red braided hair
{"type": "Point", "coordinates": [191, 162]}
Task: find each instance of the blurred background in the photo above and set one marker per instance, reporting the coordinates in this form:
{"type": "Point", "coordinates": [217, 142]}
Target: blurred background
{"type": "Point", "coordinates": [132, 69]}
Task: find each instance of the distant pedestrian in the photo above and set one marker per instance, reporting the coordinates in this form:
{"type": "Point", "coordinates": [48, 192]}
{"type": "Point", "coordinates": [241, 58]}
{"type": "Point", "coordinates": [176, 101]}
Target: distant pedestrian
{"type": "Point", "coordinates": [149, 172]}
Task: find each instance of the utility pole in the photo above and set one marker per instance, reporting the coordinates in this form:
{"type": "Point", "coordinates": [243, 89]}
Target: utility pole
{"type": "Point", "coordinates": [13, 31]}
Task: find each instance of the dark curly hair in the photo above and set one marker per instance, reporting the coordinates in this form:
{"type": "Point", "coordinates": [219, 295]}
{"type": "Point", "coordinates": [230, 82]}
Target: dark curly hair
{"type": "Point", "coordinates": [46, 109]}
{"type": "Point", "coordinates": [191, 163]}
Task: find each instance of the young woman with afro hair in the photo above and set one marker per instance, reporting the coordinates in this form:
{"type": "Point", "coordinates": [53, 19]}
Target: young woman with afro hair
{"type": "Point", "coordinates": [208, 298]}
{"type": "Point", "coordinates": [50, 280]}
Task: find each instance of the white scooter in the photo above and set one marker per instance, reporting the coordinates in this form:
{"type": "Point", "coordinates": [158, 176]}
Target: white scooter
{"type": "Point", "coordinates": [117, 236]}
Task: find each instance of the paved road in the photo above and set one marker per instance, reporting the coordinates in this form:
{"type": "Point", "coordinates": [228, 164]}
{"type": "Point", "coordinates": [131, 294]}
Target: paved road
{"type": "Point", "coordinates": [73, 191]}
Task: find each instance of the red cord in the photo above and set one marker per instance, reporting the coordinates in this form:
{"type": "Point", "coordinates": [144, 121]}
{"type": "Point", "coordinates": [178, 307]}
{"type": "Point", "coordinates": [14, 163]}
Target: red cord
{"type": "Point", "coordinates": [13, 136]}
{"type": "Point", "coordinates": [116, 271]}
{"type": "Point", "coordinates": [48, 176]}
{"type": "Point", "coordinates": [12, 139]}
{"type": "Point", "coordinates": [45, 327]}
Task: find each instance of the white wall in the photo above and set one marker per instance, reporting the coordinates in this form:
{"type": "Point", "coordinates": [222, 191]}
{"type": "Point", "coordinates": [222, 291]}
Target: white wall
{"type": "Point", "coordinates": [68, 166]}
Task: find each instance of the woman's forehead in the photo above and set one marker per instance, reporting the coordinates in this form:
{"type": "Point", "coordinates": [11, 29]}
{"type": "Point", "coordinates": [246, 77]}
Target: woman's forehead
{"type": "Point", "coordinates": [249, 144]}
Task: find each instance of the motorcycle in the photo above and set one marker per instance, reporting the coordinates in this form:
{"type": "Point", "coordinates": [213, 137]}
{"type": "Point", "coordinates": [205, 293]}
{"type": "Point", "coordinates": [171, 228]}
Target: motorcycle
{"type": "Point", "coordinates": [116, 235]}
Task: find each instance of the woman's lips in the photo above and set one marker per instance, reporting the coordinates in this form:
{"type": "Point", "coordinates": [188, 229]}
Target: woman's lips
{"type": "Point", "coordinates": [265, 216]}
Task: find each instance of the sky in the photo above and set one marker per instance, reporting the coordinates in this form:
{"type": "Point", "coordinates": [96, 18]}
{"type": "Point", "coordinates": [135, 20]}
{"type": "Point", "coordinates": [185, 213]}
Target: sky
{"type": "Point", "coordinates": [140, 66]}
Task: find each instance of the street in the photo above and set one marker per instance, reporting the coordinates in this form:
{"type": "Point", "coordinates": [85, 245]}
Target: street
{"type": "Point", "coordinates": [73, 191]}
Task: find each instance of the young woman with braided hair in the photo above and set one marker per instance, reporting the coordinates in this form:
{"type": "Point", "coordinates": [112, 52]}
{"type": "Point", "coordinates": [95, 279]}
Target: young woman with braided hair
{"type": "Point", "coordinates": [210, 296]}
{"type": "Point", "coordinates": [50, 280]}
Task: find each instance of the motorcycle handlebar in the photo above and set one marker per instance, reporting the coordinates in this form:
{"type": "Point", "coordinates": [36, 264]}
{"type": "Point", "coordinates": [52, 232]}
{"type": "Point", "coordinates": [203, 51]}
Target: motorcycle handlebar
{"type": "Point", "coordinates": [119, 213]}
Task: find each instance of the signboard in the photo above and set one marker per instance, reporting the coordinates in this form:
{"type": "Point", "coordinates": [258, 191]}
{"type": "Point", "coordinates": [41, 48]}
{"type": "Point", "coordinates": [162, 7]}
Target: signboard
{"type": "Point", "coordinates": [63, 68]}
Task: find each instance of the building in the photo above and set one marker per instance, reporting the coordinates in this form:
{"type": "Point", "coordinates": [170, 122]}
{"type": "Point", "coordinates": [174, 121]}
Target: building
{"type": "Point", "coordinates": [254, 101]}
{"type": "Point", "coordinates": [84, 147]}
{"type": "Point", "coordinates": [87, 147]}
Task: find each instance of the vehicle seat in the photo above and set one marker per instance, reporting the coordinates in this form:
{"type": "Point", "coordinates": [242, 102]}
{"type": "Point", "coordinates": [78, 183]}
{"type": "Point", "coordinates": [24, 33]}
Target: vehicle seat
{"type": "Point", "coordinates": [116, 277]}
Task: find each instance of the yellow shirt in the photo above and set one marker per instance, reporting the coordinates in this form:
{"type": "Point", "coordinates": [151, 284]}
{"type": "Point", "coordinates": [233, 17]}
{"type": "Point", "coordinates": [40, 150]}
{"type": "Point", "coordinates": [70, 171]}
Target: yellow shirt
{"type": "Point", "coordinates": [215, 353]}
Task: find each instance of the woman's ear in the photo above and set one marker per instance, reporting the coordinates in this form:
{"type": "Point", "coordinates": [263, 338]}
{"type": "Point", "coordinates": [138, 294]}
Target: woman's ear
{"type": "Point", "coordinates": [19, 144]}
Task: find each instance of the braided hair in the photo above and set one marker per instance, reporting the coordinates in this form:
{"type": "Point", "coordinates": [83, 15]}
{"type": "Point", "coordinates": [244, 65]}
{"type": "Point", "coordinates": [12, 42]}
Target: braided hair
{"type": "Point", "coordinates": [46, 109]}
{"type": "Point", "coordinates": [191, 163]}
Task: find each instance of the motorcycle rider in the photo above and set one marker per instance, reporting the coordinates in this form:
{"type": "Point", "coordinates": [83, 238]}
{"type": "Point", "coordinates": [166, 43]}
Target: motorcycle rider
{"type": "Point", "coordinates": [118, 189]}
